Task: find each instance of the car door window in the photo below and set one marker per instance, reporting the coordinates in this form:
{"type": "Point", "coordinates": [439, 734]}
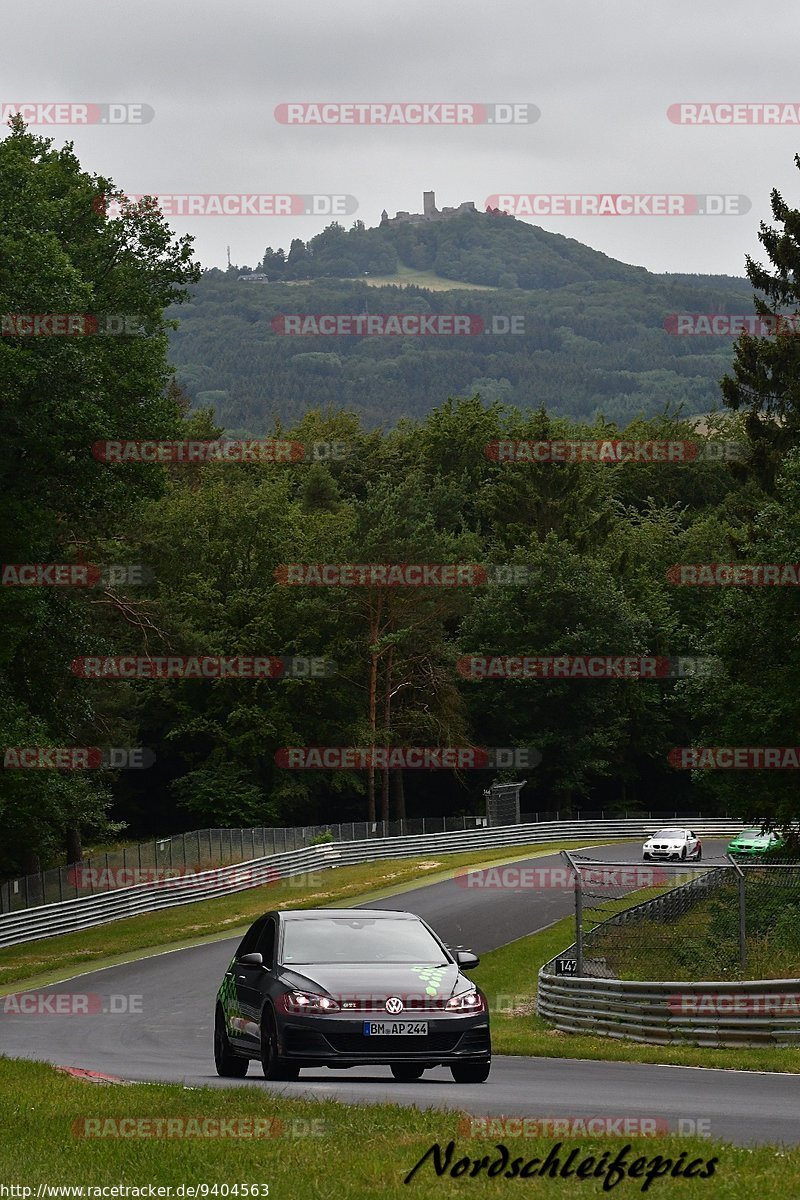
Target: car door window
{"type": "Point", "coordinates": [266, 943]}
{"type": "Point", "coordinates": [249, 942]}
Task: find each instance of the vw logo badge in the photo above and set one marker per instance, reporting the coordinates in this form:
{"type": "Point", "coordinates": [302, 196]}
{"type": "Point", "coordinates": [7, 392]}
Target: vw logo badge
{"type": "Point", "coordinates": [394, 1005]}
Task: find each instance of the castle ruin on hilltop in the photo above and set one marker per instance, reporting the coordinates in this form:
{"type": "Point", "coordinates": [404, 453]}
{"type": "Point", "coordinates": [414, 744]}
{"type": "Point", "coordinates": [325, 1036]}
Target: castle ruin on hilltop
{"type": "Point", "coordinates": [429, 212]}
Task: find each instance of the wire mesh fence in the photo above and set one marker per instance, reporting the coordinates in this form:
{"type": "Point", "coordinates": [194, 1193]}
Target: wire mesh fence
{"type": "Point", "coordinates": [716, 919]}
{"type": "Point", "coordinates": [199, 850]}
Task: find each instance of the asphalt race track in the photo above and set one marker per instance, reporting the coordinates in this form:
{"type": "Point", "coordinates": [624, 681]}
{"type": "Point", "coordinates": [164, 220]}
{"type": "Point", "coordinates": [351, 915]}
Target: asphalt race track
{"type": "Point", "coordinates": [169, 1037]}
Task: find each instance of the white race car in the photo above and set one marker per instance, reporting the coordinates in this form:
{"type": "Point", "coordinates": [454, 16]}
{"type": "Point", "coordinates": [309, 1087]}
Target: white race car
{"type": "Point", "coordinates": [673, 843]}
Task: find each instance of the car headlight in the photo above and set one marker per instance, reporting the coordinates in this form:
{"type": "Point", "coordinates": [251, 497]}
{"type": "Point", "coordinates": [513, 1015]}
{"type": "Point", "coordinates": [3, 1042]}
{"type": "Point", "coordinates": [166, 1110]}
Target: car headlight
{"type": "Point", "coordinates": [465, 1002]}
{"type": "Point", "coordinates": [310, 1002]}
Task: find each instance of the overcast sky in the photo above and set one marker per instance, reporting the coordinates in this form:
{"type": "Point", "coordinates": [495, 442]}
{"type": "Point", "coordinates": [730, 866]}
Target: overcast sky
{"type": "Point", "coordinates": [602, 72]}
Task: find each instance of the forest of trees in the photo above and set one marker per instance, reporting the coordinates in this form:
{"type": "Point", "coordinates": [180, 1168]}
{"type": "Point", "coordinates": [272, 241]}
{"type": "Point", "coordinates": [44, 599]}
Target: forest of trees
{"type": "Point", "coordinates": [598, 541]}
{"type": "Point", "coordinates": [593, 338]}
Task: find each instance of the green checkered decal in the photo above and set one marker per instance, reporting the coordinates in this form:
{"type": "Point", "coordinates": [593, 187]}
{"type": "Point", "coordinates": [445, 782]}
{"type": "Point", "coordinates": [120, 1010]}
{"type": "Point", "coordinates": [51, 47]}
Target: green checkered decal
{"type": "Point", "coordinates": [227, 996]}
{"type": "Point", "coordinates": [431, 977]}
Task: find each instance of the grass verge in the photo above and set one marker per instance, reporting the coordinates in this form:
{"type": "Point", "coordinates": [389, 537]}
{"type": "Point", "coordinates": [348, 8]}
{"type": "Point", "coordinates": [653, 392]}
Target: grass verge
{"type": "Point", "coordinates": [509, 978]}
{"type": "Point", "coordinates": [320, 1149]}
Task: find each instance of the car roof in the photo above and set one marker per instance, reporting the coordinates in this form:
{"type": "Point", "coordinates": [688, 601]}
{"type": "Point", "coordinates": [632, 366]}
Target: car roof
{"type": "Point", "coordinates": [311, 914]}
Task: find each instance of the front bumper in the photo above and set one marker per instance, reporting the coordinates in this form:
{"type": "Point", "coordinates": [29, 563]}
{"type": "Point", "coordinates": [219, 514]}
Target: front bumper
{"type": "Point", "coordinates": [339, 1039]}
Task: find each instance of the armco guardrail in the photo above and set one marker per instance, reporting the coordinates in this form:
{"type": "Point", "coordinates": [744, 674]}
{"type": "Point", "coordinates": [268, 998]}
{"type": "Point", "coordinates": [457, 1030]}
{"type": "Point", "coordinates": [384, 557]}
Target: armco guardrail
{"type": "Point", "coordinates": [51, 919]}
{"type": "Point", "coordinates": [754, 1013]}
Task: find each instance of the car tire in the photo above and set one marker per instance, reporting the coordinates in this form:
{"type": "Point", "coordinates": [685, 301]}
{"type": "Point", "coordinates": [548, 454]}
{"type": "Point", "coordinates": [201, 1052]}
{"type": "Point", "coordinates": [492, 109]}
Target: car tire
{"type": "Point", "coordinates": [699, 854]}
{"type": "Point", "coordinates": [228, 1064]}
{"type": "Point", "coordinates": [683, 854]}
{"type": "Point", "coordinates": [471, 1072]}
{"type": "Point", "coordinates": [407, 1072]}
{"type": "Point", "coordinates": [273, 1066]}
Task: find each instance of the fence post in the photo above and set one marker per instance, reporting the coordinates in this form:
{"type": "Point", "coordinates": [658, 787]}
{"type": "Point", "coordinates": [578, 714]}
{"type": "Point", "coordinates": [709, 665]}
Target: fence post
{"type": "Point", "coordinates": [578, 914]}
{"type": "Point", "coordinates": [742, 917]}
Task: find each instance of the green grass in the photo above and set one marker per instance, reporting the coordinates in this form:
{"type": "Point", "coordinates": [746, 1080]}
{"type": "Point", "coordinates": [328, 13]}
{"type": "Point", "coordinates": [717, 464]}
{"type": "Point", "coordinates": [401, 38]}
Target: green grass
{"type": "Point", "coordinates": [326, 1150]}
{"type": "Point", "coordinates": [189, 924]}
{"type": "Point", "coordinates": [409, 275]}
{"type": "Point", "coordinates": [509, 978]}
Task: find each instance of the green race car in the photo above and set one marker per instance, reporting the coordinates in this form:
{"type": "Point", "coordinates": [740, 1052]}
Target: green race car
{"type": "Point", "coordinates": [751, 842]}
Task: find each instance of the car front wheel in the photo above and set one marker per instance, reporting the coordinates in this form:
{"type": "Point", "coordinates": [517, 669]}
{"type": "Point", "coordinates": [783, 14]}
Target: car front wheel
{"type": "Point", "coordinates": [228, 1064]}
{"type": "Point", "coordinates": [273, 1066]}
{"type": "Point", "coordinates": [407, 1072]}
{"type": "Point", "coordinates": [467, 1072]}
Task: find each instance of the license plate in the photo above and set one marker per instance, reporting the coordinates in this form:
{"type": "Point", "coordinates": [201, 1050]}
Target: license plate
{"type": "Point", "coordinates": [395, 1028]}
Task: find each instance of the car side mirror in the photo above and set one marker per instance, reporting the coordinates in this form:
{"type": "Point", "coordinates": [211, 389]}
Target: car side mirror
{"type": "Point", "coordinates": [251, 960]}
{"type": "Point", "coordinates": [465, 958]}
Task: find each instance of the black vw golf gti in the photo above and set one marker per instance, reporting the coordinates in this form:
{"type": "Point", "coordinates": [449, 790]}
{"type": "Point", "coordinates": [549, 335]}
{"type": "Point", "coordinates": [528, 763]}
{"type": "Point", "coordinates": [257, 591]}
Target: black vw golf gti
{"type": "Point", "coordinates": [340, 987]}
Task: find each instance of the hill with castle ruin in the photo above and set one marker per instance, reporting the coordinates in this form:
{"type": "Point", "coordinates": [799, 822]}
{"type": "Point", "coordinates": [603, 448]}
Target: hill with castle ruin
{"type": "Point", "coordinates": [593, 335]}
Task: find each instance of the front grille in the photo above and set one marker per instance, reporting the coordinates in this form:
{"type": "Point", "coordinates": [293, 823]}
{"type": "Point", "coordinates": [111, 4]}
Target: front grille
{"type": "Point", "coordinates": [356, 1043]}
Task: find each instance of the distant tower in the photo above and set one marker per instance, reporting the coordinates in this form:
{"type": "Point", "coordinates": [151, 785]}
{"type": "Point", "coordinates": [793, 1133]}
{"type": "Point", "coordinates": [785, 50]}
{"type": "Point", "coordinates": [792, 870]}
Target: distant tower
{"type": "Point", "coordinates": [229, 258]}
{"type": "Point", "coordinates": [384, 217]}
{"type": "Point", "coordinates": [429, 204]}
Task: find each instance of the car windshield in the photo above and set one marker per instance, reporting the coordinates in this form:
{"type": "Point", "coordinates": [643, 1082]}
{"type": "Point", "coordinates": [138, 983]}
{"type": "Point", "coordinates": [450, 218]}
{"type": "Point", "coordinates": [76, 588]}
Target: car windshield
{"type": "Point", "coordinates": [359, 940]}
{"type": "Point", "coordinates": [670, 833]}
{"type": "Point", "coordinates": [754, 832]}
